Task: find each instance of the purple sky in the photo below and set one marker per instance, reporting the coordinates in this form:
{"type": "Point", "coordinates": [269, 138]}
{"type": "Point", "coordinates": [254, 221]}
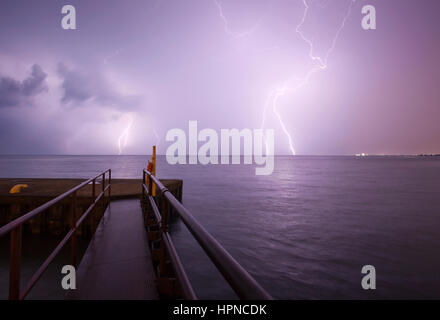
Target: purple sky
{"type": "Point", "coordinates": [157, 64]}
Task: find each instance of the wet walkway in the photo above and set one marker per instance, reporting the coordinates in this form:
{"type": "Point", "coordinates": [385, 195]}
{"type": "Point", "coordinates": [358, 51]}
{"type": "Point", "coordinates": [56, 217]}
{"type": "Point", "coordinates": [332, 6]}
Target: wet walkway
{"type": "Point", "coordinates": [117, 263]}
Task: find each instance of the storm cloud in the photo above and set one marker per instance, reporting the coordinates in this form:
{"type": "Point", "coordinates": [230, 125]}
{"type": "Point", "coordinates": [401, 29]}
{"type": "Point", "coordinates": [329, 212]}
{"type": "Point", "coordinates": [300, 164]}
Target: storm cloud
{"type": "Point", "coordinates": [14, 93]}
{"type": "Point", "coordinates": [81, 86]}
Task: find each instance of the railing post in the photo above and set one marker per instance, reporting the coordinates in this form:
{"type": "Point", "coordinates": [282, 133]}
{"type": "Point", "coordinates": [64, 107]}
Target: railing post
{"type": "Point", "coordinates": [73, 216]}
{"type": "Point", "coordinates": [150, 185]}
{"type": "Point", "coordinates": [15, 263]}
{"type": "Point", "coordinates": [143, 183]}
{"type": "Point", "coordinates": [94, 190]}
{"type": "Point", "coordinates": [109, 184]}
{"type": "Point", "coordinates": [153, 171]}
{"type": "Point", "coordinates": [103, 188]}
{"type": "Point", "coordinates": [163, 254]}
{"type": "Point", "coordinates": [164, 213]}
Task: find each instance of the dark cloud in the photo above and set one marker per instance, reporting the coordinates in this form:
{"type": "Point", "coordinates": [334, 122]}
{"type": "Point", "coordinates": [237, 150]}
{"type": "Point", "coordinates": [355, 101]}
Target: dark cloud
{"type": "Point", "coordinates": [81, 86]}
{"type": "Point", "coordinates": [77, 86]}
{"type": "Point", "coordinates": [36, 82]}
{"type": "Point", "coordinates": [14, 92]}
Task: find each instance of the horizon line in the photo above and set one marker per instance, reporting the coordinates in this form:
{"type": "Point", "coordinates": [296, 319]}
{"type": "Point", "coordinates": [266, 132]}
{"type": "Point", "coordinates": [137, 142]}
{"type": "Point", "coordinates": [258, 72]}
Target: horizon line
{"type": "Point", "coordinates": [195, 155]}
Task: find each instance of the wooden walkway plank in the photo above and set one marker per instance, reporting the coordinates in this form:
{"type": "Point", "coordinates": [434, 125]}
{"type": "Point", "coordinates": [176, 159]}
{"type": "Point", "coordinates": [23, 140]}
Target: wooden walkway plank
{"type": "Point", "coordinates": [117, 263]}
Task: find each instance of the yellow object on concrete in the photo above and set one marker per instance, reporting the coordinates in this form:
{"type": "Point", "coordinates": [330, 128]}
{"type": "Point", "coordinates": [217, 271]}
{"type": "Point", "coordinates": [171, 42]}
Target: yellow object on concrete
{"type": "Point", "coordinates": [17, 188]}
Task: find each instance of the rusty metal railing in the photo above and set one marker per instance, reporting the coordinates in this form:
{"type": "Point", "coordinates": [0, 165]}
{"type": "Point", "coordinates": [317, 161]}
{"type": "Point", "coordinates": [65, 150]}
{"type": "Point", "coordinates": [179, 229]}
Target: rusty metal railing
{"type": "Point", "coordinates": [244, 285]}
{"type": "Point", "coordinates": [14, 228]}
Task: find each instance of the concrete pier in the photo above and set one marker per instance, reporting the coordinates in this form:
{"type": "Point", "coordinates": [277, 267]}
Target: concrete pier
{"type": "Point", "coordinates": [56, 221]}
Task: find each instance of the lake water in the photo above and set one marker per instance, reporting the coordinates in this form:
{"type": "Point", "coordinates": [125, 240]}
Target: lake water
{"type": "Point", "coordinates": [303, 232]}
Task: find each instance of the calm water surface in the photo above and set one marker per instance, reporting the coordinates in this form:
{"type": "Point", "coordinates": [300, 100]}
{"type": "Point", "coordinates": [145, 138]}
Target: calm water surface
{"type": "Point", "coordinates": [303, 232]}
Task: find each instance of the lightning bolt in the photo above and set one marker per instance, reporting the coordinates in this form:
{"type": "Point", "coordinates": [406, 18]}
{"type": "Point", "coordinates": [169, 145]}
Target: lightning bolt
{"type": "Point", "coordinates": [123, 138]}
{"type": "Point", "coordinates": [322, 61]}
{"type": "Point", "coordinates": [228, 30]}
{"type": "Point", "coordinates": [321, 64]}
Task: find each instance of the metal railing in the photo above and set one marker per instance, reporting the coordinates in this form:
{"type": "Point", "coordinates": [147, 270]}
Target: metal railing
{"type": "Point", "coordinates": [238, 278]}
{"type": "Point", "coordinates": [15, 229]}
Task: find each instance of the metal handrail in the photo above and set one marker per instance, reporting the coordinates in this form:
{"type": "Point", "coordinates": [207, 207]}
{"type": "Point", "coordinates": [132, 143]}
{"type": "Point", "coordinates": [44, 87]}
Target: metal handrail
{"type": "Point", "coordinates": [245, 286]}
{"type": "Point", "coordinates": [182, 278]}
{"type": "Point", "coordinates": [15, 223]}
{"type": "Point", "coordinates": [153, 205]}
{"type": "Point", "coordinates": [15, 230]}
